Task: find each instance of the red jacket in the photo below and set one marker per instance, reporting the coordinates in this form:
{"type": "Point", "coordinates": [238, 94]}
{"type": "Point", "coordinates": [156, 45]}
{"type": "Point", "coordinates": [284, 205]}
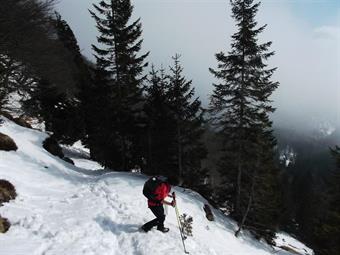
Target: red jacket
{"type": "Point", "coordinates": [162, 191]}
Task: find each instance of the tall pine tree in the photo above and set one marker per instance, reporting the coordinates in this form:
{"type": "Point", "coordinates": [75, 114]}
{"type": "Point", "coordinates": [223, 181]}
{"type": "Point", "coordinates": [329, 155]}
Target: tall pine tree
{"type": "Point", "coordinates": [9, 70]}
{"type": "Point", "coordinates": [159, 126]}
{"type": "Point", "coordinates": [326, 227]}
{"type": "Point", "coordinates": [73, 101]}
{"type": "Point", "coordinates": [187, 149]}
{"type": "Point", "coordinates": [240, 108]}
{"type": "Point", "coordinates": [118, 63]}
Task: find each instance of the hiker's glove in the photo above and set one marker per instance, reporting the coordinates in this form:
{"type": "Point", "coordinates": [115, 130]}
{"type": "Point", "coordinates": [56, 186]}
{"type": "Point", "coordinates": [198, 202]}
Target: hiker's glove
{"type": "Point", "coordinates": [173, 203]}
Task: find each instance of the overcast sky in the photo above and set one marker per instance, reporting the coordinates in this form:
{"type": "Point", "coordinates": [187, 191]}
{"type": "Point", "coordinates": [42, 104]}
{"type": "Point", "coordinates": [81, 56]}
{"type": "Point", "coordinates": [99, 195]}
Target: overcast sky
{"type": "Point", "coordinates": [305, 36]}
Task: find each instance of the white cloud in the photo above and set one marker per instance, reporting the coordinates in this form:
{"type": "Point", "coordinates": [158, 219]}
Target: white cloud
{"type": "Point", "coordinates": [307, 57]}
{"type": "Point", "coordinates": [328, 32]}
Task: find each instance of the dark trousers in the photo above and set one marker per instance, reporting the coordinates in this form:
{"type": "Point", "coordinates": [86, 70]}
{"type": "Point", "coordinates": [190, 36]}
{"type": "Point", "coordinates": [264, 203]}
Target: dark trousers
{"type": "Point", "coordinates": [158, 211]}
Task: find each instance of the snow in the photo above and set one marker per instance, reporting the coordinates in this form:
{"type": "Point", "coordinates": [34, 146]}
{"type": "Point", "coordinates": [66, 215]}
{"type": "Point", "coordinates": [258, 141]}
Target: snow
{"type": "Point", "coordinates": [288, 156]}
{"type": "Point", "coordinates": [80, 156]}
{"type": "Point", "coordinates": [283, 239]}
{"type": "Point", "coordinates": [326, 129]}
{"type": "Point", "coordinates": [323, 129]}
{"type": "Point", "coordinates": [84, 209]}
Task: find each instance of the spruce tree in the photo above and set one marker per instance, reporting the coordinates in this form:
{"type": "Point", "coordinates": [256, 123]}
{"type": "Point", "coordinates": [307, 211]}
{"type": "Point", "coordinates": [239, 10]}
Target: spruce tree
{"type": "Point", "coordinates": [75, 102]}
{"type": "Point", "coordinates": [118, 60]}
{"type": "Point", "coordinates": [159, 126]}
{"type": "Point", "coordinates": [15, 77]}
{"type": "Point", "coordinates": [62, 108]}
{"type": "Point", "coordinates": [29, 38]}
{"type": "Point", "coordinates": [240, 108]}
{"type": "Point", "coordinates": [326, 227]}
{"type": "Point", "coordinates": [100, 136]}
{"type": "Point", "coordinates": [59, 111]}
{"type": "Point", "coordinates": [8, 68]}
{"type": "Point", "coordinates": [187, 149]}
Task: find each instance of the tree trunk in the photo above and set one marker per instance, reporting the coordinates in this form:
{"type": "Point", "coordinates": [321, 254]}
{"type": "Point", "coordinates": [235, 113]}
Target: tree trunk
{"type": "Point", "coordinates": [250, 201]}
{"type": "Point", "coordinates": [179, 150]}
{"type": "Point", "coordinates": [123, 154]}
{"type": "Point", "coordinates": [240, 147]}
{"type": "Point", "coordinates": [238, 186]}
{"type": "Point", "coordinates": [150, 163]}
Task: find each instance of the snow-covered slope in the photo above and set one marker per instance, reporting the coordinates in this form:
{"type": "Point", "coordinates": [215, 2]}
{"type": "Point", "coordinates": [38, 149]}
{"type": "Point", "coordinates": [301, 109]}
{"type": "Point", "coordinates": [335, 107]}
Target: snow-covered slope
{"type": "Point", "coordinates": [63, 209]}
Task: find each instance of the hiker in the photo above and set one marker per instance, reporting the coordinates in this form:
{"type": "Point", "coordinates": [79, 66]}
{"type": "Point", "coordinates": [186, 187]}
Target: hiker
{"type": "Point", "coordinates": [156, 189]}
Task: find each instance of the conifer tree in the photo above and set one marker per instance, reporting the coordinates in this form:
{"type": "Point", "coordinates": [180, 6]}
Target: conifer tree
{"type": "Point", "coordinates": [187, 149]}
{"type": "Point", "coordinates": [29, 38]}
{"type": "Point", "coordinates": [240, 108]}
{"type": "Point", "coordinates": [75, 102]}
{"type": "Point", "coordinates": [326, 227]}
{"type": "Point", "coordinates": [159, 127]}
{"type": "Point", "coordinates": [8, 71]}
{"type": "Point", "coordinates": [59, 111]}
{"type": "Point", "coordinates": [54, 103]}
{"type": "Point", "coordinates": [118, 60]}
{"type": "Point", "coordinates": [100, 136]}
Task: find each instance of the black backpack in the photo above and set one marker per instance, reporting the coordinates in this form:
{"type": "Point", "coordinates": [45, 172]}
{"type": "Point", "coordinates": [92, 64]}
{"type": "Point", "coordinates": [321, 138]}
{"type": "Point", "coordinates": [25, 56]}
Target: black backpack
{"type": "Point", "coordinates": [150, 187]}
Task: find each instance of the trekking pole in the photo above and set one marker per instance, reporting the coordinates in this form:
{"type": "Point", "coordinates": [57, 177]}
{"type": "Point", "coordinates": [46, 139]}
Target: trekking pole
{"type": "Point", "coordinates": [179, 223]}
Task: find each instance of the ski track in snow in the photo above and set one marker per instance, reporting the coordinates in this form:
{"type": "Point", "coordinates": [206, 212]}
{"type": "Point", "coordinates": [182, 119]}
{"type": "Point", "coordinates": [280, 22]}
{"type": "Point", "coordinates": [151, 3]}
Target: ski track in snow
{"type": "Point", "coordinates": [62, 209]}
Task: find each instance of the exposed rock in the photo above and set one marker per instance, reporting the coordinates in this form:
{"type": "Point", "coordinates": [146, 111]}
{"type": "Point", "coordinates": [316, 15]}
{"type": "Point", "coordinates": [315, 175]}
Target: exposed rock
{"type": "Point", "coordinates": [4, 225]}
{"type": "Point", "coordinates": [7, 191]}
{"type": "Point", "coordinates": [53, 147]}
{"type": "Point", "coordinates": [208, 212]}
{"type": "Point", "coordinates": [7, 143]}
{"type": "Point", "coordinates": [23, 121]}
{"type": "Point", "coordinates": [68, 160]}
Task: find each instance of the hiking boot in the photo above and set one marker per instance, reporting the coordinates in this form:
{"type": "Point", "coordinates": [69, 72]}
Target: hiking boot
{"type": "Point", "coordinates": [163, 229]}
{"type": "Point", "coordinates": [144, 229]}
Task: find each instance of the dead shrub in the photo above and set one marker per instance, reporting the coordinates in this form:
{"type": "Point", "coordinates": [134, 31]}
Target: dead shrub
{"type": "Point", "coordinates": [7, 191]}
{"type": "Point", "coordinates": [7, 143]}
